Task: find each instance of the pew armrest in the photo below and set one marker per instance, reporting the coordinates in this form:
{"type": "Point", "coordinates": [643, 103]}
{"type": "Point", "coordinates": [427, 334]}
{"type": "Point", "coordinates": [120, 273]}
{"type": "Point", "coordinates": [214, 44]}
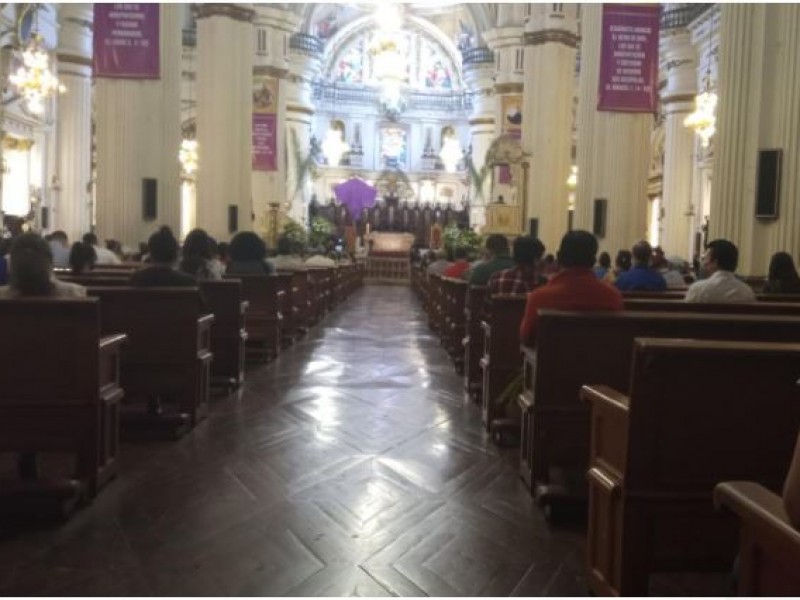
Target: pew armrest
{"type": "Point", "coordinates": [108, 367]}
{"type": "Point", "coordinates": [205, 320]}
{"type": "Point", "coordinates": [204, 323]}
{"type": "Point", "coordinates": [528, 353]}
{"type": "Point", "coordinates": [243, 306]}
{"type": "Point", "coordinates": [610, 397]}
{"type": "Point", "coordinates": [759, 509]}
{"type": "Point", "coordinates": [108, 343]}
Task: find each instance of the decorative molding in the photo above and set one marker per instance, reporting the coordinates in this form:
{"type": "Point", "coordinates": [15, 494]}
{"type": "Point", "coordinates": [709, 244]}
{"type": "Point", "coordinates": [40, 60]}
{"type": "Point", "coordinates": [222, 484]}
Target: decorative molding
{"type": "Point", "coordinates": [74, 59]}
{"type": "Point", "coordinates": [675, 98]}
{"type": "Point", "coordinates": [85, 23]}
{"type": "Point", "coordinates": [300, 109]}
{"type": "Point", "coordinates": [481, 121]}
{"type": "Point", "coordinates": [511, 87]}
{"type": "Point", "coordinates": [12, 143]}
{"type": "Point", "coordinates": [270, 71]}
{"type": "Point", "coordinates": [674, 64]}
{"type": "Point", "coordinates": [555, 36]}
{"type": "Point", "coordinates": [232, 11]}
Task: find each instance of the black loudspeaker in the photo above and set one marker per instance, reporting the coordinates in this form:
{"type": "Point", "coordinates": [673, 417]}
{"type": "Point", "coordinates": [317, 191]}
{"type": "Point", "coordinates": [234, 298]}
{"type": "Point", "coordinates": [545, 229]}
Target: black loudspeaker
{"type": "Point", "coordinates": [599, 223]}
{"type": "Point", "coordinates": [45, 221]}
{"type": "Point", "coordinates": [149, 199]}
{"type": "Point", "coordinates": [533, 228]}
{"type": "Point", "coordinates": [768, 187]}
{"type": "Point", "coordinates": [233, 218]}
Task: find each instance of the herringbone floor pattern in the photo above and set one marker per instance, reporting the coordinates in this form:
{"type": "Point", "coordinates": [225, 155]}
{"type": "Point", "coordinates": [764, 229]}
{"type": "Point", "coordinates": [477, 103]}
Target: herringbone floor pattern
{"type": "Point", "coordinates": [349, 466]}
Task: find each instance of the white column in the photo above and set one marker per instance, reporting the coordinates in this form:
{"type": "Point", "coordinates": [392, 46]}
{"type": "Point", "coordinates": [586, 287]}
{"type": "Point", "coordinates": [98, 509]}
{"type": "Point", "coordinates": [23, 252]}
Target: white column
{"type": "Point", "coordinates": [304, 66]}
{"type": "Point", "coordinates": [224, 116]}
{"type": "Point", "coordinates": [138, 136]}
{"type": "Point", "coordinates": [677, 99]}
{"type": "Point", "coordinates": [551, 38]}
{"type": "Point", "coordinates": [73, 171]}
{"type": "Point", "coordinates": [479, 77]}
{"type": "Point", "coordinates": [613, 152]}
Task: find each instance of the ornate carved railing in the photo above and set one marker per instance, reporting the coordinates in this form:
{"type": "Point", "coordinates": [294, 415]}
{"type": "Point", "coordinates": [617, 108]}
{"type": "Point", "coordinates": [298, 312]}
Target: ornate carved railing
{"type": "Point", "coordinates": [417, 100]}
{"type": "Point", "coordinates": [472, 56]}
{"type": "Point", "coordinates": [681, 15]}
{"type": "Point", "coordinates": [190, 37]}
{"type": "Point", "coordinates": [306, 43]}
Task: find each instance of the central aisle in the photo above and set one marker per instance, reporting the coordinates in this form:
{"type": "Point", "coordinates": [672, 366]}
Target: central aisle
{"type": "Point", "coordinates": [351, 465]}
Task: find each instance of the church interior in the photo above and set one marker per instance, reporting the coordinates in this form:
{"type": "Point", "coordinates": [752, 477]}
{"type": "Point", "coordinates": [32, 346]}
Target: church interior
{"type": "Point", "coordinates": [287, 309]}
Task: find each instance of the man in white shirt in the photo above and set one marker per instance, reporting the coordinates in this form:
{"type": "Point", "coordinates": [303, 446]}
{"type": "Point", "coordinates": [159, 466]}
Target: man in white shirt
{"type": "Point", "coordinates": [721, 286]}
{"type": "Point", "coordinates": [104, 255]}
{"type": "Point", "coordinates": [59, 246]}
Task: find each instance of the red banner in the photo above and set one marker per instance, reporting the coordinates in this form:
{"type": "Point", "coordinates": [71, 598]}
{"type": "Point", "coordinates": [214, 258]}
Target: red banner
{"type": "Point", "coordinates": [629, 58]}
{"type": "Point", "coordinates": [265, 129]}
{"type": "Point", "coordinates": [126, 41]}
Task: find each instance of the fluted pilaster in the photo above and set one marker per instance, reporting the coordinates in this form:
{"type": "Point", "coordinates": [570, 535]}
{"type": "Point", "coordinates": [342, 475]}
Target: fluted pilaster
{"type": "Point", "coordinates": [71, 184]}
{"type": "Point", "coordinates": [138, 136]}
{"type": "Point", "coordinates": [613, 152]}
{"type": "Point", "coordinates": [550, 47]}
{"type": "Point", "coordinates": [740, 71]}
{"type": "Point", "coordinates": [482, 129]}
{"type": "Point", "coordinates": [224, 116]}
{"type": "Point", "coordinates": [679, 144]}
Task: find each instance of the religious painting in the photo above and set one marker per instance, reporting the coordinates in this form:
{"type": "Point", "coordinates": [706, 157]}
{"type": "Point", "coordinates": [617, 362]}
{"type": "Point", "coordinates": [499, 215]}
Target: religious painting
{"type": "Point", "coordinates": [265, 123]}
{"type": "Point", "coordinates": [512, 115]}
{"type": "Point", "coordinates": [265, 94]}
{"type": "Point", "coordinates": [394, 152]}
{"type": "Point", "coordinates": [350, 66]}
{"type": "Point", "coordinates": [437, 72]}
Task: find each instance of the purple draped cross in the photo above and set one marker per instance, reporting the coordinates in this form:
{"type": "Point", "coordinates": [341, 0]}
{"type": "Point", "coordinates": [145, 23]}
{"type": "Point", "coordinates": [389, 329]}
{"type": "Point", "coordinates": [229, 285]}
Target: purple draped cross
{"type": "Point", "coordinates": [357, 195]}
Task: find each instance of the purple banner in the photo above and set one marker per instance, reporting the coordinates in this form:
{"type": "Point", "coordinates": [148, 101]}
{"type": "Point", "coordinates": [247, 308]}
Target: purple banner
{"type": "Point", "coordinates": [357, 195]}
{"type": "Point", "coordinates": [265, 128]}
{"type": "Point", "coordinates": [629, 58]}
{"type": "Point", "coordinates": [126, 41]}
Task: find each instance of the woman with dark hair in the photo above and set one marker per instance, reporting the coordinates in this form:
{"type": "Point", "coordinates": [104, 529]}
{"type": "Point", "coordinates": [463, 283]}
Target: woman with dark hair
{"type": "Point", "coordinates": [82, 258]}
{"type": "Point", "coordinates": [197, 255]}
{"type": "Point", "coordinates": [782, 277]}
{"type": "Point", "coordinates": [603, 265]}
{"type": "Point", "coordinates": [31, 272]}
{"type": "Point", "coordinates": [163, 250]}
{"type": "Point", "coordinates": [248, 254]}
{"type": "Point", "coordinates": [622, 264]}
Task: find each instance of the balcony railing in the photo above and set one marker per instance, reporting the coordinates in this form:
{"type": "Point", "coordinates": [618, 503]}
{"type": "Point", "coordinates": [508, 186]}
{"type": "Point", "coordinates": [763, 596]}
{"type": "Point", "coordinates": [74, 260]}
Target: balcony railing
{"type": "Point", "coordinates": [417, 100]}
{"type": "Point", "coordinates": [306, 43]}
{"type": "Point", "coordinates": [681, 16]}
{"type": "Point", "coordinates": [474, 56]}
{"type": "Point", "coordinates": [190, 37]}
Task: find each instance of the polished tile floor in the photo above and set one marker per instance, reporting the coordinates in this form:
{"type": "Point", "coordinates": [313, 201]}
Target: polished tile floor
{"type": "Point", "coordinates": [350, 466]}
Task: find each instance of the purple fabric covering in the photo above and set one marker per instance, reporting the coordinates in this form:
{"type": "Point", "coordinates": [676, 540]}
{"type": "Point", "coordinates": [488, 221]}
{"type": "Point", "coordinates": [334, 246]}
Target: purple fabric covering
{"type": "Point", "coordinates": [357, 195]}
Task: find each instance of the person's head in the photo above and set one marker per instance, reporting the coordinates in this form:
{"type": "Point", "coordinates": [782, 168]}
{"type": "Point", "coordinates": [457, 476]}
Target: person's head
{"type": "Point", "coordinates": [781, 267]}
{"type": "Point", "coordinates": [197, 245]}
{"type": "Point", "coordinates": [642, 251]}
{"type": "Point", "coordinates": [497, 245]}
{"type": "Point", "coordinates": [604, 260]}
{"type": "Point", "coordinates": [223, 251]}
{"type": "Point", "coordinates": [578, 249]}
{"type": "Point", "coordinates": [658, 260]}
{"type": "Point", "coordinates": [90, 238]}
{"type": "Point", "coordinates": [60, 237]}
{"type": "Point", "coordinates": [284, 245]}
{"type": "Point", "coordinates": [527, 250]}
{"type": "Point", "coordinates": [623, 260]}
{"type": "Point", "coordinates": [31, 265]}
{"type": "Point", "coordinates": [460, 253]}
{"type": "Point", "coordinates": [162, 246]}
{"type": "Point", "coordinates": [247, 246]}
{"type": "Point", "coordinates": [720, 255]}
{"type": "Point", "coordinates": [82, 258]}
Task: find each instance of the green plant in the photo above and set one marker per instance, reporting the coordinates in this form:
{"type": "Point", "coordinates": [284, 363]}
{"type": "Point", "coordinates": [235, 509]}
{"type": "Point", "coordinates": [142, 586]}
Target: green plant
{"type": "Point", "coordinates": [454, 237]}
{"type": "Point", "coordinates": [321, 230]}
{"type": "Point", "coordinates": [295, 236]}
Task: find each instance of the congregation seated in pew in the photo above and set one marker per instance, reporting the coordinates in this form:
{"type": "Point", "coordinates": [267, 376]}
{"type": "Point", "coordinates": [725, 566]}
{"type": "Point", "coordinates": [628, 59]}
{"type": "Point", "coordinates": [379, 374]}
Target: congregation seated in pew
{"type": "Point", "coordinates": [82, 258]}
{"type": "Point", "coordinates": [526, 275]}
{"type": "Point", "coordinates": [782, 277]}
{"type": "Point", "coordinates": [197, 257]}
{"type": "Point", "coordinates": [163, 251]}
{"type": "Point", "coordinates": [497, 259]}
{"type": "Point", "coordinates": [642, 276]}
{"type": "Point", "coordinates": [248, 255]}
{"type": "Point", "coordinates": [719, 265]}
{"type": "Point", "coordinates": [31, 272]}
{"type": "Point", "coordinates": [289, 256]}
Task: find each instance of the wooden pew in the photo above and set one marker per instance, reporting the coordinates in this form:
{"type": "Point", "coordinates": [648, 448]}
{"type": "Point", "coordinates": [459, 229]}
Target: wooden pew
{"type": "Point", "coordinates": [286, 308]}
{"type": "Point", "coordinates": [751, 308]}
{"type": "Point", "coordinates": [225, 299]}
{"type": "Point", "coordinates": [319, 293]}
{"type": "Point", "coordinates": [301, 309]}
{"type": "Point", "coordinates": [575, 349]}
{"type": "Point", "coordinates": [769, 546]}
{"type": "Point", "coordinates": [60, 392]}
{"type": "Point", "coordinates": [501, 361]}
{"type": "Point", "coordinates": [697, 412]}
{"type": "Point", "coordinates": [434, 302]}
{"type": "Point", "coordinates": [168, 354]}
{"type": "Point", "coordinates": [473, 341]}
{"type": "Point", "coordinates": [454, 322]}
{"type": "Point", "coordinates": [264, 319]}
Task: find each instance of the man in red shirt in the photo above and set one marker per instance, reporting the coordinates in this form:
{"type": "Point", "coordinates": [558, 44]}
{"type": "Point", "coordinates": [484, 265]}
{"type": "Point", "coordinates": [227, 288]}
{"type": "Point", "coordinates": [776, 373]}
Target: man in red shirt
{"type": "Point", "coordinates": [575, 287]}
{"type": "Point", "coordinates": [458, 268]}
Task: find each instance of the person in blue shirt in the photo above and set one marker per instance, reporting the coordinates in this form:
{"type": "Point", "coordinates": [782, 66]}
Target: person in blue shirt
{"type": "Point", "coordinates": [641, 277]}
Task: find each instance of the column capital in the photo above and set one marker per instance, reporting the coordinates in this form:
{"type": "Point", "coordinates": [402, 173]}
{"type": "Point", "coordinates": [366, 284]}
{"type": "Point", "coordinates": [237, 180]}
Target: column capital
{"type": "Point", "coordinates": [551, 36]}
{"type": "Point", "coordinates": [237, 12]}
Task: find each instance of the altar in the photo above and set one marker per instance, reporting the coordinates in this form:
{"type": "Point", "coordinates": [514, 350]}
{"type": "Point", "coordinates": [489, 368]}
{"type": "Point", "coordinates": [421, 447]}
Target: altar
{"type": "Point", "coordinates": [389, 256]}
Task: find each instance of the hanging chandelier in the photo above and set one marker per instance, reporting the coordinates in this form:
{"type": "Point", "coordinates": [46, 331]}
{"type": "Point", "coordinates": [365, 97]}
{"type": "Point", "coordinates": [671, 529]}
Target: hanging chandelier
{"type": "Point", "coordinates": [390, 67]}
{"type": "Point", "coordinates": [33, 79]}
{"type": "Point", "coordinates": [334, 146]}
{"type": "Point", "coordinates": [450, 153]}
{"type": "Point", "coordinates": [703, 120]}
{"type": "Point", "coordinates": [188, 156]}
